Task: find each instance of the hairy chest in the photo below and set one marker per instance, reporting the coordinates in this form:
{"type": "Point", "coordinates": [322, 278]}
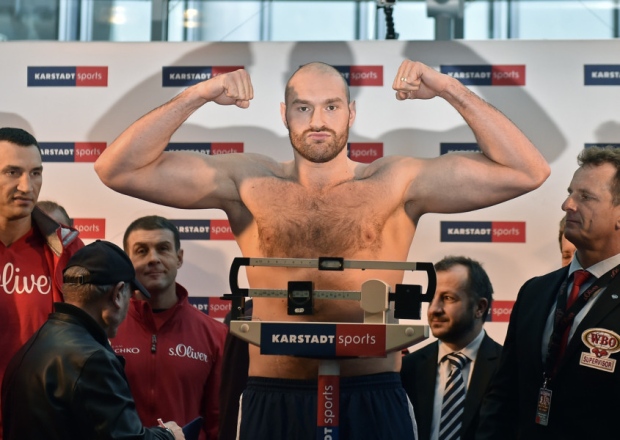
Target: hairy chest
{"type": "Point", "coordinates": [346, 220]}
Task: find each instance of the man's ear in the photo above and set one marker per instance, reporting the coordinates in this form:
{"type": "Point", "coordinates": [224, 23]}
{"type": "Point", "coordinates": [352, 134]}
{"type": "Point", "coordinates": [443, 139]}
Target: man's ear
{"type": "Point", "coordinates": [179, 258]}
{"type": "Point", "coordinates": [283, 113]}
{"type": "Point", "coordinates": [116, 295]}
{"type": "Point", "coordinates": [352, 113]}
{"type": "Point", "coordinates": [481, 307]}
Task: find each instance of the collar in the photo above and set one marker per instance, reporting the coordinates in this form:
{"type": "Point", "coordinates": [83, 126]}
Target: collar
{"type": "Point", "coordinates": [599, 269]}
{"type": "Point", "coordinates": [84, 319]}
{"type": "Point", "coordinates": [471, 350]}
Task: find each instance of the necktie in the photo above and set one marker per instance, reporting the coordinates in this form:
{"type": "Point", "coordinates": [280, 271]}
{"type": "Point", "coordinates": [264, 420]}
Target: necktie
{"type": "Point", "coordinates": [453, 398]}
{"type": "Point", "coordinates": [579, 277]}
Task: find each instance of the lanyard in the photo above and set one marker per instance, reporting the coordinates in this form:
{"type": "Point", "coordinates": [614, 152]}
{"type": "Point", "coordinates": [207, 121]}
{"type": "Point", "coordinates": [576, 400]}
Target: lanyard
{"type": "Point", "coordinates": [564, 318]}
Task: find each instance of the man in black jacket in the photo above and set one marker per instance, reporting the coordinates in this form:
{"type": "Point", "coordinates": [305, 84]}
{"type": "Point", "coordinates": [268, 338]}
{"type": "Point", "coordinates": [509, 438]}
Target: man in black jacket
{"type": "Point", "coordinates": [456, 316]}
{"type": "Point", "coordinates": [66, 383]}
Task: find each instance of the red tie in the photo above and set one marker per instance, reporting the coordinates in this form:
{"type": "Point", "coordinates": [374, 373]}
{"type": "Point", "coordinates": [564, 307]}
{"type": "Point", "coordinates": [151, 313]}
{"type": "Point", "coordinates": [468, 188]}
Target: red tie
{"type": "Point", "coordinates": [579, 277]}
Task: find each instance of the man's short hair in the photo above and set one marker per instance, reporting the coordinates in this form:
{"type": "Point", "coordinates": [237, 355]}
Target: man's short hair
{"type": "Point", "coordinates": [321, 67]}
{"type": "Point", "coordinates": [48, 207]}
{"type": "Point", "coordinates": [19, 137]}
{"type": "Point", "coordinates": [596, 156]}
{"type": "Point", "coordinates": [478, 283]}
{"type": "Point", "coordinates": [562, 227]}
{"type": "Point", "coordinates": [152, 223]}
{"type": "Point", "coordinates": [83, 293]}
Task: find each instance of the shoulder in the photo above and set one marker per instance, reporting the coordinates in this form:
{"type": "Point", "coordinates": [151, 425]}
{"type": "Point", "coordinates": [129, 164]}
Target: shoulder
{"type": "Point", "coordinates": [544, 282]}
{"type": "Point", "coordinates": [414, 359]}
{"type": "Point", "coordinates": [490, 345]}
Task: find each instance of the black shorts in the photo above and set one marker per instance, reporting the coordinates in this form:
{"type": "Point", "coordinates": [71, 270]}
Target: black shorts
{"type": "Point", "coordinates": [373, 407]}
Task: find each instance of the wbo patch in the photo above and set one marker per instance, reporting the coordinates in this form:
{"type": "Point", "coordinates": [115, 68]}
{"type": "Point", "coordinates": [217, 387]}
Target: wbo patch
{"type": "Point", "coordinates": [602, 343]}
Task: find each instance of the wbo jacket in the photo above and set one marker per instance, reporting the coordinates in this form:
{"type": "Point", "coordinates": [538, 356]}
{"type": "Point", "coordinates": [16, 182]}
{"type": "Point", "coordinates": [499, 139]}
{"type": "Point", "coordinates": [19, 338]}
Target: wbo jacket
{"type": "Point", "coordinates": [66, 383]}
{"type": "Point", "coordinates": [173, 362]}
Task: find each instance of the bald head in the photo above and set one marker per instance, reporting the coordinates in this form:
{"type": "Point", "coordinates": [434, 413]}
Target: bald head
{"type": "Point", "coordinates": [315, 68]}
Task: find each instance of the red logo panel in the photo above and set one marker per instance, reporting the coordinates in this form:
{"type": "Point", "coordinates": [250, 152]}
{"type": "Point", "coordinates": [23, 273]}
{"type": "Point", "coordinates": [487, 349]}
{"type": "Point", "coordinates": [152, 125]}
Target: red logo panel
{"type": "Point", "coordinates": [218, 308]}
{"type": "Point", "coordinates": [501, 310]}
{"type": "Point", "coordinates": [508, 232]}
{"type": "Point", "coordinates": [226, 147]}
{"type": "Point", "coordinates": [366, 76]}
{"type": "Point", "coordinates": [365, 152]}
{"type": "Point", "coordinates": [220, 230]}
{"type": "Point", "coordinates": [364, 340]}
{"type": "Point", "coordinates": [88, 151]}
{"type": "Point", "coordinates": [91, 76]}
{"type": "Point", "coordinates": [508, 75]}
{"type": "Point", "coordinates": [218, 70]}
{"type": "Point", "coordinates": [90, 227]}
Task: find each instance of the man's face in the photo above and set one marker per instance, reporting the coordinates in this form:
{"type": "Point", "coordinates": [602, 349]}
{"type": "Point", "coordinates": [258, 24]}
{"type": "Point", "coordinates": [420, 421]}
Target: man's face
{"type": "Point", "coordinates": [155, 259]}
{"type": "Point", "coordinates": [317, 115]}
{"type": "Point", "coordinates": [591, 217]}
{"type": "Point", "coordinates": [567, 249]}
{"type": "Point", "coordinates": [20, 180]}
{"type": "Point", "coordinates": [451, 315]}
{"type": "Point", "coordinates": [115, 320]}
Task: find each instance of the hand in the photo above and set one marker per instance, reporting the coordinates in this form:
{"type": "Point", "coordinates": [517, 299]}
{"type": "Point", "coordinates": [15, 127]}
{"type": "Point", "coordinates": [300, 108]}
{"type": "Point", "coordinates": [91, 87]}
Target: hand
{"type": "Point", "coordinates": [176, 430]}
{"type": "Point", "coordinates": [233, 88]}
{"type": "Point", "coordinates": [415, 80]}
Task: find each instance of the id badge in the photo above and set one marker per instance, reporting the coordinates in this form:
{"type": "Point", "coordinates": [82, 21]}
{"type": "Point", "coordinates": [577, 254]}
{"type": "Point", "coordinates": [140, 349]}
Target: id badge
{"type": "Point", "coordinates": [544, 406]}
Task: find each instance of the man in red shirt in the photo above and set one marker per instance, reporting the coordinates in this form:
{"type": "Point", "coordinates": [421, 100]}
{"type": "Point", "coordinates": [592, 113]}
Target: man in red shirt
{"type": "Point", "coordinates": [34, 249]}
{"type": "Point", "coordinates": [173, 351]}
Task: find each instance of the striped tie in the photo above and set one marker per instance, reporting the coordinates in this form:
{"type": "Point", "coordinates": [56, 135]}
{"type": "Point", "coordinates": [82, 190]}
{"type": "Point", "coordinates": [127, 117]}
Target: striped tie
{"type": "Point", "coordinates": [453, 398]}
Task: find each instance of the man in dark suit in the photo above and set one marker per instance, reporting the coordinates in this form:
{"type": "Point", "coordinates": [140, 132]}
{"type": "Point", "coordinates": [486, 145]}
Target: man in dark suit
{"type": "Point", "coordinates": [456, 315]}
{"type": "Point", "coordinates": [558, 377]}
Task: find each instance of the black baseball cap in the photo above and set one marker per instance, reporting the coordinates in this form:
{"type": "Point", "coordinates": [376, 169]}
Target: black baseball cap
{"type": "Point", "coordinates": [107, 264]}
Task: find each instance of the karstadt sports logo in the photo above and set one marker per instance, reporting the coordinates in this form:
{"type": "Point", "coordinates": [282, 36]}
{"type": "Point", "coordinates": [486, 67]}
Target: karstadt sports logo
{"type": "Point", "coordinates": [90, 228]}
{"type": "Point", "coordinates": [184, 76]}
{"type": "Point", "coordinates": [213, 306]}
{"type": "Point", "coordinates": [601, 74]}
{"type": "Point", "coordinates": [67, 76]}
{"type": "Point", "coordinates": [483, 232]}
{"type": "Point", "coordinates": [487, 75]}
{"type": "Point", "coordinates": [365, 152]}
{"type": "Point", "coordinates": [357, 76]}
{"type": "Point", "coordinates": [71, 151]}
{"type": "Point", "coordinates": [208, 148]}
{"type": "Point", "coordinates": [204, 229]}
{"type": "Point", "coordinates": [458, 147]}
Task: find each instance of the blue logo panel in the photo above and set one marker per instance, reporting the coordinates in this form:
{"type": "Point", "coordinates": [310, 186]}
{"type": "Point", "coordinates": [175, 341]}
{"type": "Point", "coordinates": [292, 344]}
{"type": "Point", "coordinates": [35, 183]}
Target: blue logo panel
{"type": "Point", "coordinates": [474, 75]}
{"type": "Point", "coordinates": [309, 340]}
{"type": "Point", "coordinates": [185, 76]}
{"type": "Point", "coordinates": [57, 151]}
{"type": "Point", "coordinates": [46, 76]}
{"type": "Point", "coordinates": [193, 229]}
{"type": "Point", "coordinates": [466, 231]}
{"type": "Point", "coordinates": [451, 147]}
{"type": "Point", "coordinates": [601, 74]}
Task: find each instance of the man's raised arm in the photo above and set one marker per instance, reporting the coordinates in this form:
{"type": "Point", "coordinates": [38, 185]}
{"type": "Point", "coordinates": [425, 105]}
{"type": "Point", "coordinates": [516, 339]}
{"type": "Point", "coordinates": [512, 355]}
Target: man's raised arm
{"type": "Point", "coordinates": [136, 164]}
{"type": "Point", "coordinates": [509, 166]}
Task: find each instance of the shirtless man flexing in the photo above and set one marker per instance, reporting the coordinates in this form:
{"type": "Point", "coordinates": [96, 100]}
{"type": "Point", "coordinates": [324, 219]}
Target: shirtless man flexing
{"type": "Point", "coordinates": [323, 204]}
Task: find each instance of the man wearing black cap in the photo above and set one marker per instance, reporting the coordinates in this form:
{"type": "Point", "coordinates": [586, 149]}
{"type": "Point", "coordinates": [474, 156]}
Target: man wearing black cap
{"type": "Point", "coordinates": [66, 382]}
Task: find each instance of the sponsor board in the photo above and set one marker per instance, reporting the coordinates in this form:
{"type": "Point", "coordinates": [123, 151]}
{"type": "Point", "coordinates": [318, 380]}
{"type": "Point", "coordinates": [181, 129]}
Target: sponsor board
{"type": "Point", "coordinates": [483, 232]}
{"type": "Point", "coordinates": [71, 151]}
{"type": "Point", "coordinates": [208, 148]}
{"type": "Point", "coordinates": [602, 145]}
{"type": "Point", "coordinates": [204, 229]}
{"type": "Point", "coordinates": [213, 306]}
{"type": "Point", "coordinates": [184, 76]}
{"type": "Point", "coordinates": [365, 152]}
{"type": "Point", "coordinates": [487, 75]}
{"type": "Point", "coordinates": [357, 76]}
{"type": "Point", "coordinates": [90, 228]}
{"type": "Point", "coordinates": [67, 76]}
{"type": "Point", "coordinates": [323, 340]}
{"type": "Point", "coordinates": [601, 74]}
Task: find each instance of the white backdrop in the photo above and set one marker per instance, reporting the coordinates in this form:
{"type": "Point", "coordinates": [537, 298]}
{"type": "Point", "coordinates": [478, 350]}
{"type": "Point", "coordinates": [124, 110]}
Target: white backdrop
{"type": "Point", "coordinates": [553, 107]}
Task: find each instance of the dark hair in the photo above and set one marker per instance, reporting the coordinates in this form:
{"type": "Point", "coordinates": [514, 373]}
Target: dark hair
{"type": "Point", "coordinates": [152, 223]}
{"type": "Point", "coordinates": [596, 156]}
{"type": "Point", "coordinates": [322, 68]}
{"type": "Point", "coordinates": [48, 207]}
{"type": "Point", "coordinates": [19, 137]}
{"type": "Point", "coordinates": [562, 227]}
{"type": "Point", "coordinates": [478, 284]}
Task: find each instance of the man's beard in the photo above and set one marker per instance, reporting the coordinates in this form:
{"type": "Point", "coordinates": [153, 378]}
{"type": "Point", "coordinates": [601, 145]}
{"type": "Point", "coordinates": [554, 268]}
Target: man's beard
{"type": "Point", "coordinates": [319, 152]}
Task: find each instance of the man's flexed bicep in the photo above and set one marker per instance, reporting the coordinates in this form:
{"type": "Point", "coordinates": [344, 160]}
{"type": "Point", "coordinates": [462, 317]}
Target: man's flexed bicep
{"type": "Point", "coordinates": [136, 164]}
